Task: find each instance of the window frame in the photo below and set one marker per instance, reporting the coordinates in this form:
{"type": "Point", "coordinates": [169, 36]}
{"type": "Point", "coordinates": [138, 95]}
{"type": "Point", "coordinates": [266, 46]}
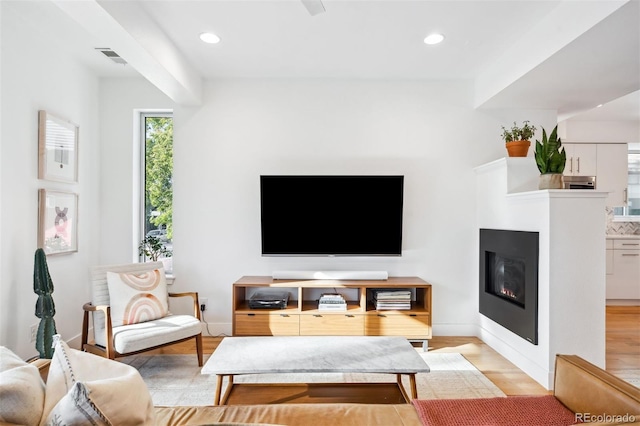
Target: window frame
{"type": "Point", "coordinates": [633, 149]}
{"type": "Point", "coordinates": [142, 116]}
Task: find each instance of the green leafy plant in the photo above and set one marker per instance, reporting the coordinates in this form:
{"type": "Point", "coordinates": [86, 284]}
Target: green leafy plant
{"type": "Point", "coordinates": [159, 172]}
{"type": "Point", "coordinates": [45, 307]}
{"type": "Point", "coordinates": [152, 248]}
{"type": "Point", "coordinates": [516, 133]}
{"type": "Point", "coordinates": [550, 155]}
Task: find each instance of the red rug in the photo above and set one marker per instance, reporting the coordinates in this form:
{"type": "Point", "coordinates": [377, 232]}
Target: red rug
{"type": "Point", "coordinates": [521, 410]}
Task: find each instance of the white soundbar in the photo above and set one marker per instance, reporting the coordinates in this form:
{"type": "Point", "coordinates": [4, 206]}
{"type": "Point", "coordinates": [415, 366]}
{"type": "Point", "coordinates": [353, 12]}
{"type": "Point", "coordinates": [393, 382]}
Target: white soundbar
{"type": "Point", "coordinates": [330, 275]}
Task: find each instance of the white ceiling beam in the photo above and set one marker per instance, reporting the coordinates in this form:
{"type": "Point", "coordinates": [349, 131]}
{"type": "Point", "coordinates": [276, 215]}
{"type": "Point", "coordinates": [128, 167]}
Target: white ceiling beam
{"type": "Point", "coordinates": [564, 24]}
{"type": "Point", "coordinates": [126, 29]}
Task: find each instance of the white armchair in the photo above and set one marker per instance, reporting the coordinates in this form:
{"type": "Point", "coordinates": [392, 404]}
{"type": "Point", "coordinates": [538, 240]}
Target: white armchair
{"type": "Point", "coordinates": [112, 342]}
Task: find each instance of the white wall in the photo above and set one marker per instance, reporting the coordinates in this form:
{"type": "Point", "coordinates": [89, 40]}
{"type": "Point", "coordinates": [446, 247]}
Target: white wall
{"type": "Point", "coordinates": [3, 298]}
{"type": "Point", "coordinates": [425, 131]}
{"type": "Point", "coordinates": [38, 74]}
{"type": "Point", "coordinates": [121, 100]}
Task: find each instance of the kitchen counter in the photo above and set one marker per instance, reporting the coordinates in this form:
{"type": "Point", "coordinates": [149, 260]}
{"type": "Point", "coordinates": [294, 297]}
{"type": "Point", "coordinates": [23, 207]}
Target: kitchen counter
{"type": "Point", "coordinates": [623, 236]}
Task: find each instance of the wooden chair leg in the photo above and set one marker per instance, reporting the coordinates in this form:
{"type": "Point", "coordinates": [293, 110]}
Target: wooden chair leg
{"type": "Point", "coordinates": [199, 348]}
{"type": "Point", "coordinates": [85, 330]}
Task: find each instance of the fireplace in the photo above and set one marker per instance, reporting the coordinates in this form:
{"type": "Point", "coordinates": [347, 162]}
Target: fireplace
{"type": "Point", "coordinates": [509, 280]}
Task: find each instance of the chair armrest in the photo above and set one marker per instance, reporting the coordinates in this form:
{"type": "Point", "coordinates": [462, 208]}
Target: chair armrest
{"type": "Point", "coordinates": [91, 308]}
{"type": "Point", "coordinates": [43, 367]}
{"type": "Point", "coordinates": [108, 328]}
{"type": "Point", "coordinates": [196, 304]}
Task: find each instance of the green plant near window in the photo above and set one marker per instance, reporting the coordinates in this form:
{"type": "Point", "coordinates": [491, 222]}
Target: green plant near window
{"type": "Point", "coordinates": [550, 155]}
{"type": "Point", "coordinates": [523, 133]}
{"type": "Point", "coordinates": [45, 308]}
{"type": "Point", "coordinates": [152, 248]}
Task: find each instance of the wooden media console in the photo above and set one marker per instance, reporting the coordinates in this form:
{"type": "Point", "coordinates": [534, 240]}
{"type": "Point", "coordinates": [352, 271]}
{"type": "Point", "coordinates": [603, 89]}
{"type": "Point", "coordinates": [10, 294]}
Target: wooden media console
{"type": "Point", "coordinates": [302, 317]}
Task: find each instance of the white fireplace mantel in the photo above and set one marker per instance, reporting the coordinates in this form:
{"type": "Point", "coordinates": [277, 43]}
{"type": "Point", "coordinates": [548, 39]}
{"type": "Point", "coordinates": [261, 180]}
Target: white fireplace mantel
{"type": "Point", "coordinates": [571, 269]}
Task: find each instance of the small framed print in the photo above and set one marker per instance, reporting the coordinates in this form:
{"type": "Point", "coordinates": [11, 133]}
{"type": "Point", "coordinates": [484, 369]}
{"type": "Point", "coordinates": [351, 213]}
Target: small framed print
{"type": "Point", "coordinates": [57, 221]}
{"type": "Point", "coordinates": [57, 148]}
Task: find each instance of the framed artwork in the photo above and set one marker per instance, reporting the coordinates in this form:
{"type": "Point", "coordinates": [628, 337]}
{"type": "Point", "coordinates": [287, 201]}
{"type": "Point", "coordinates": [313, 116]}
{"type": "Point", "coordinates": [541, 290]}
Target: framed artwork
{"type": "Point", "coordinates": [57, 148]}
{"type": "Point", "coordinates": [57, 221]}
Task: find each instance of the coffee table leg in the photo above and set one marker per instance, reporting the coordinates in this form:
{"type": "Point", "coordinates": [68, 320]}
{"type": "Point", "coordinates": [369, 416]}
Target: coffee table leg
{"type": "Point", "coordinates": [414, 388]}
{"type": "Point", "coordinates": [402, 389]}
{"type": "Point", "coordinates": [222, 400]}
{"type": "Point", "coordinates": [412, 384]}
{"type": "Point", "coordinates": [216, 399]}
{"type": "Point", "coordinates": [225, 397]}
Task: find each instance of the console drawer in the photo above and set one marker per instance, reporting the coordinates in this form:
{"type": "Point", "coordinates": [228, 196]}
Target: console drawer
{"type": "Point", "coordinates": [338, 324]}
{"type": "Point", "coordinates": [271, 324]}
{"type": "Point", "coordinates": [409, 325]}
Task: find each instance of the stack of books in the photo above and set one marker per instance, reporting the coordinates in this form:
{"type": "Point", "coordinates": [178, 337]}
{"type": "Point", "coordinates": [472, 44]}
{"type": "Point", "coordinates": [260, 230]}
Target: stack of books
{"type": "Point", "coordinates": [332, 302]}
{"type": "Point", "coordinates": [392, 299]}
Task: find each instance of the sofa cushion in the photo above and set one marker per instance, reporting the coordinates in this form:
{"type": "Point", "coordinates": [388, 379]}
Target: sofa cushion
{"type": "Point", "coordinates": [137, 297]}
{"type": "Point", "coordinates": [513, 410]}
{"type": "Point", "coordinates": [21, 390]}
{"type": "Point", "coordinates": [291, 415]}
{"type": "Point", "coordinates": [87, 389]}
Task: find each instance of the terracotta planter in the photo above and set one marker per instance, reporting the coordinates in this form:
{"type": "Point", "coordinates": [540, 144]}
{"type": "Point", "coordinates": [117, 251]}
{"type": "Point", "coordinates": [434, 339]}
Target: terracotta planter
{"type": "Point", "coordinates": [551, 181]}
{"type": "Point", "coordinates": [518, 148]}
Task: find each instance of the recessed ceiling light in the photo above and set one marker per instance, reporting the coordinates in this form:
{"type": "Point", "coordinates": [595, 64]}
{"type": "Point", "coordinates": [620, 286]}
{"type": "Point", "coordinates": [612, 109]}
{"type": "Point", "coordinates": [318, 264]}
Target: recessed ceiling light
{"type": "Point", "coordinates": [599, 106]}
{"type": "Point", "coordinates": [434, 38]}
{"type": "Point", "coordinates": [210, 38]}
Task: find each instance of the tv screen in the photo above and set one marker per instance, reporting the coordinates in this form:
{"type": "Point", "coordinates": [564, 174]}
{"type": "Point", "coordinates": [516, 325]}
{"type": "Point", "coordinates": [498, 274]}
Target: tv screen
{"type": "Point", "coordinates": [331, 215]}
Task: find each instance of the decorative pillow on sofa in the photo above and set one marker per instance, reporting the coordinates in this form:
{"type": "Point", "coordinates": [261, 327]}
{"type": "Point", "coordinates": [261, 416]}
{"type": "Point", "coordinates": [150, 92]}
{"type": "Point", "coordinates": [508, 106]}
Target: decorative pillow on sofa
{"type": "Point", "coordinates": [137, 298]}
{"type": "Point", "coordinates": [83, 388]}
{"type": "Point", "coordinates": [21, 390]}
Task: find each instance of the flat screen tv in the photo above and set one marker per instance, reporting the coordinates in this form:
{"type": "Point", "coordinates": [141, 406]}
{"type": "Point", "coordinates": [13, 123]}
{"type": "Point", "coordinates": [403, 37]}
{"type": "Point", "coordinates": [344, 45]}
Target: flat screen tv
{"type": "Point", "coordinates": [331, 215]}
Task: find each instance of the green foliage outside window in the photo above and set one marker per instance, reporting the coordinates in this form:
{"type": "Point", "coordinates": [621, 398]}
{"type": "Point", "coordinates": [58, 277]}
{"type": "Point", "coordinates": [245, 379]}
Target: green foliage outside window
{"type": "Point", "coordinates": [159, 172]}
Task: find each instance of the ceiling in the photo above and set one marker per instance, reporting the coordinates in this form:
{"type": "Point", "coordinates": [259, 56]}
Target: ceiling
{"type": "Point", "coordinates": [559, 54]}
{"type": "Point", "coordinates": [352, 39]}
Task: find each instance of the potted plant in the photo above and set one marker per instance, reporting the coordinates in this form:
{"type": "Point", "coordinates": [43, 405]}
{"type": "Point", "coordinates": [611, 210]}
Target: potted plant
{"type": "Point", "coordinates": [518, 139]}
{"type": "Point", "coordinates": [550, 159]}
{"type": "Point", "coordinates": [45, 308]}
{"type": "Point", "coordinates": [152, 248]}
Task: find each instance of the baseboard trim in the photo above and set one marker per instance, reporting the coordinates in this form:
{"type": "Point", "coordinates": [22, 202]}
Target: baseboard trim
{"type": "Point", "coordinates": [76, 341]}
{"type": "Point", "coordinates": [623, 302]}
{"type": "Point", "coordinates": [538, 373]}
{"type": "Point", "coordinates": [212, 329]}
{"type": "Point", "coordinates": [455, 330]}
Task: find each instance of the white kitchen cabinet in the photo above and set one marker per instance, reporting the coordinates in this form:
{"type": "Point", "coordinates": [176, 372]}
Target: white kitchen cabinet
{"type": "Point", "coordinates": [581, 159]}
{"type": "Point", "coordinates": [612, 172]}
{"type": "Point", "coordinates": [609, 261]}
{"type": "Point", "coordinates": [623, 269]}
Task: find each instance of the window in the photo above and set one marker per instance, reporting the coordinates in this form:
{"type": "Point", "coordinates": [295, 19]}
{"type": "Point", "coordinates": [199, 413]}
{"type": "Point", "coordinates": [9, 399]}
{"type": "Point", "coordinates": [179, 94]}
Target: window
{"type": "Point", "coordinates": [632, 209]}
{"type": "Point", "coordinates": [157, 185]}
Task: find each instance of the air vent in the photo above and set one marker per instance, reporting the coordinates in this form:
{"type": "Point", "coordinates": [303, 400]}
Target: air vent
{"type": "Point", "coordinates": [111, 55]}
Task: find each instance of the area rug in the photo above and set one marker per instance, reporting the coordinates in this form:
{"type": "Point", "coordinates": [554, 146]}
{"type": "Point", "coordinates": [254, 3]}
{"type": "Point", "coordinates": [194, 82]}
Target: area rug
{"type": "Point", "coordinates": [176, 379]}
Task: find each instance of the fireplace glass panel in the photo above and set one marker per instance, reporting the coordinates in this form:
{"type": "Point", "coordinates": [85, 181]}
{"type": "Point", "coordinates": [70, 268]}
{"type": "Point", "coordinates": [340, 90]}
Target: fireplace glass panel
{"type": "Point", "coordinates": [506, 277]}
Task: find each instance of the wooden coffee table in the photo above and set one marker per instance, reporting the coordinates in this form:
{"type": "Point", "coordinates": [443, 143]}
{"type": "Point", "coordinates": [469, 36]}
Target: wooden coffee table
{"type": "Point", "coordinates": [314, 354]}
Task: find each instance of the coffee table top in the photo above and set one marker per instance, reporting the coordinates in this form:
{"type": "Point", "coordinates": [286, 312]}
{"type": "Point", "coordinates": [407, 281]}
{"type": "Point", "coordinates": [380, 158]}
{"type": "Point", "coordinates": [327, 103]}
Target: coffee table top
{"type": "Point", "coordinates": [315, 354]}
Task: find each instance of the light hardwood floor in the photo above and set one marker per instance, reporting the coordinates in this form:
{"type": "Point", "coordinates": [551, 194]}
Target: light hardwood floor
{"type": "Point", "coordinates": [622, 353]}
{"type": "Point", "coordinates": [623, 339]}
